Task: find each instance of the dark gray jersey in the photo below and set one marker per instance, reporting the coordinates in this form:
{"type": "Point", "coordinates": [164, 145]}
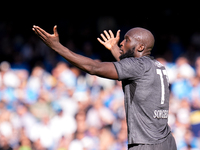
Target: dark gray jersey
{"type": "Point", "coordinates": [145, 85]}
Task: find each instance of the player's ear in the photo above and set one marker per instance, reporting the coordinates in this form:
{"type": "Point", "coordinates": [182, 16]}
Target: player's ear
{"type": "Point", "coordinates": [141, 47]}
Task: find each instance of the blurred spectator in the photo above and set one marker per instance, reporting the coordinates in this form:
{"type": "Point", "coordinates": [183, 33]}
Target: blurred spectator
{"type": "Point", "coordinates": [99, 115]}
{"type": "Point", "coordinates": [62, 125]}
{"type": "Point", "coordinates": [9, 78]}
{"type": "Point", "coordinates": [188, 142]}
{"type": "Point", "coordinates": [65, 75]}
{"type": "Point", "coordinates": [4, 143]}
{"type": "Point", "coordinates": [184, 72]}
{"type": "Point", "coordinates": [106, 138]}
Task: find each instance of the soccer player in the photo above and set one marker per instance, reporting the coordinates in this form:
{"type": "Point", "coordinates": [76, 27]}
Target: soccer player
{"type": "Point", "coordinates": [144, 82]}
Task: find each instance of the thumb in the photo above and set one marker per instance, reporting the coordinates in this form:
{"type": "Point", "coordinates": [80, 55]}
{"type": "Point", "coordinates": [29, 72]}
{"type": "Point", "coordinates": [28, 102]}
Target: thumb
{"type": "Point", "coordinates": [55, 30]}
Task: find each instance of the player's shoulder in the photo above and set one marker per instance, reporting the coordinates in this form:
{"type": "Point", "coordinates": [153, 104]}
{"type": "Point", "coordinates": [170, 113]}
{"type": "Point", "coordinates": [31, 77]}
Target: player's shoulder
{"type": "Point", "coordinates": [147, 58]}
{"type": "Point", "coordinates": [151, 60]}
{"type": "Point", "coordinates": [141, 59]}
{"type": "Point", "coordinates": [147, 61]}
{"type": "Point", "coordinates": [144, 61]}
{"type": "Point", "coordinates": [158, 64]}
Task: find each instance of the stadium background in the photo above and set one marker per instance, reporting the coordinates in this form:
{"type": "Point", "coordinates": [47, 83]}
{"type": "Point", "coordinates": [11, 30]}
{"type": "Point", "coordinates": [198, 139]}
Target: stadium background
{"type": "Point", "coordinates": [48, 104]}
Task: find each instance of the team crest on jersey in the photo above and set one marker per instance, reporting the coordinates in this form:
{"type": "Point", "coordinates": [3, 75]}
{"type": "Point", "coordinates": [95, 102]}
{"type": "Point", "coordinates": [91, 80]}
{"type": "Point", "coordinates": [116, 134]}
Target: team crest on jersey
{"type": "Point", "coordinates": [158, 64]}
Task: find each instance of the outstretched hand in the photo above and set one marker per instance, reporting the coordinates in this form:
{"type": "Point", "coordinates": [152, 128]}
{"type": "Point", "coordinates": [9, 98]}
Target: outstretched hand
{"type": "Point", "coordinates": [109, 41]}
{"type": "Point", "coordinates": [51, 40]}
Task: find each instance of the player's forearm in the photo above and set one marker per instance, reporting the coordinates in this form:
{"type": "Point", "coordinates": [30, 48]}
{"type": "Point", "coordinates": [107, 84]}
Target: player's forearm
{"type": "Point", "coordinates": [84, 63]}
{"type": "Point", "coordinates": [115, 52]}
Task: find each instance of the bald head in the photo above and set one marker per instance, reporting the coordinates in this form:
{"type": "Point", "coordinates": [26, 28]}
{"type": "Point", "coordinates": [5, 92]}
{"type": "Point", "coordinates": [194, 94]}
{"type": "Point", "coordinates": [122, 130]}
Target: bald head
{"type": "Point", "coordinates": [137, 42]}
{"type": "Point", "coordinates": [143, 36]}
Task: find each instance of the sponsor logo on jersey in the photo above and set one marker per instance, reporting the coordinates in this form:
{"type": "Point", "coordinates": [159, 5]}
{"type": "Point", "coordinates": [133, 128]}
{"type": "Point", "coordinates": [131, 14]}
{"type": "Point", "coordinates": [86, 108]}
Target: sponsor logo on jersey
{"type": "Point", "coordinates": [160, 114]}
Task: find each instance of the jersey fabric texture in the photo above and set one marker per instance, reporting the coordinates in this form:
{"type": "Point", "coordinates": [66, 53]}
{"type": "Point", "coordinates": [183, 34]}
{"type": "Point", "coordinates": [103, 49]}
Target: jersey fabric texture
{"type": "Point", "coordinates": [168, 144]}
{"type": "Point", "coordinates": [146, 99]}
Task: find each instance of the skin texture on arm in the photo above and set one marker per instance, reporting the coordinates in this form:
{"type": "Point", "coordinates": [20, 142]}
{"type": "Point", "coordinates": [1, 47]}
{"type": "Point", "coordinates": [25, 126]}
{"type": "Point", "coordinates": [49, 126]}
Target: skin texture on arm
{"type": "Point", "coordinates": [111, 43]}
{"type": "Point", "coordinates": [102, 69]}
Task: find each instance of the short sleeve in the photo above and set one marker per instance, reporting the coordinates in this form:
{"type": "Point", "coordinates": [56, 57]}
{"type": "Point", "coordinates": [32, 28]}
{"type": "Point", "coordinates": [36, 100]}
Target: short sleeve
{"type": "Point", "coordinates": [130, 68]}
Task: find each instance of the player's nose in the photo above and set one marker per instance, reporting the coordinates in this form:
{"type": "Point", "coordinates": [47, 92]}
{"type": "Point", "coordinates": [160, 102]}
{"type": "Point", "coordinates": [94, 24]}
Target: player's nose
{"type": "Point", "coordinates": [122, 43]}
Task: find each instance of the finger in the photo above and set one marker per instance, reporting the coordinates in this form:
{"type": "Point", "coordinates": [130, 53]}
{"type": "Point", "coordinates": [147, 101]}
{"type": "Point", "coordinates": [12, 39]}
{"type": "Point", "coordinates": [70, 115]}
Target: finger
{"type": "Point", "coordinates": [38, 34]}
{"type": "Point", "coordinates": [41, 31]}
{"type": "Point", "coordinates": [104, 38]}
{"type": "Point", "coordinates": [111, 34]}
{"type": "Point", "coordinates": [107, 35]}
{"type": "Point", "coordinates": [55, 30]}
{"type": "Point", "coordinates": [43, 37]}
{"type": "Point", "coordinates": [118, 34]}
{"type": "Point", "coordinates": [100, 41]}
{"type": "Point", "coordinates": [35, 31]}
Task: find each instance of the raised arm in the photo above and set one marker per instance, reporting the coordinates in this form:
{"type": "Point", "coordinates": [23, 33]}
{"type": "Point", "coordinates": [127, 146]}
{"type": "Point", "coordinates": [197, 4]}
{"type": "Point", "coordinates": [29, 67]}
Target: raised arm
{"type": "Point", "coordinates": [111, 42]}
{"type": "Point", "coordinates": [102, 69]}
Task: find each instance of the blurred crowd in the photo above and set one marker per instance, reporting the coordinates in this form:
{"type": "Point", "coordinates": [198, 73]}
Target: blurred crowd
{"type": "Point", "coordinates": [66, 109]}
{"type": "Point", "coordinates": [46, 104]}
{"type": "Point", "coordinates": [60, 110]}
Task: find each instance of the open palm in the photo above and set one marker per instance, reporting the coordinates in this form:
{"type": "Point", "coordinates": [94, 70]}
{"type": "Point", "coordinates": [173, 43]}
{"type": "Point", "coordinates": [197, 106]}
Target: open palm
{"type": "Point", "coordinates": [109, 41]}
{"type": "Point", "coordinates": [51, 40]}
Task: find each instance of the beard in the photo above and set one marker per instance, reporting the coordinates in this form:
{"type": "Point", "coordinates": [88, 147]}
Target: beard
{"type": "Point", "coordinates": [129, 53]}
